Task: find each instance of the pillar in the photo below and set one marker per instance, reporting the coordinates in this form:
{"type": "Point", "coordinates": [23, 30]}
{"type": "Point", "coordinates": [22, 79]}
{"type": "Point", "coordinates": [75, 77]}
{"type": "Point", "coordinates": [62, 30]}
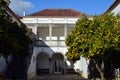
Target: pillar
{"type": "Point", "coordinates": [50, 32]}
{"type": "Point", "coordinates": [65, 30]}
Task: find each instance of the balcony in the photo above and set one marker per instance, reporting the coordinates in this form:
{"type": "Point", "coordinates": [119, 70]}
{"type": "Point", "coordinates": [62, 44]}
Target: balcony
{"type": "Point", "coordinates": [52, 43]}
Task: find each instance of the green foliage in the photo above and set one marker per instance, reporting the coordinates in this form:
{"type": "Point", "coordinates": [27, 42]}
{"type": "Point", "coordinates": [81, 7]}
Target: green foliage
{"type": "Point", "coordinates": [4, 2]}
{"type": "Point", "coordinates": [13, 39]}
{"type": "Point", "coordinates": [94, 38]}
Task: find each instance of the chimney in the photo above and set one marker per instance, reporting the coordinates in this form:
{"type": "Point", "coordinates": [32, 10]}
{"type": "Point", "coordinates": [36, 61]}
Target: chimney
{"type": "Point", "coordinates": [24, 13]}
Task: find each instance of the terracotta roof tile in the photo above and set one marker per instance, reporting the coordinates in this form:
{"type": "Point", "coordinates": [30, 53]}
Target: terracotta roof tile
{"type": "Point", "coordinates": [58, 13]}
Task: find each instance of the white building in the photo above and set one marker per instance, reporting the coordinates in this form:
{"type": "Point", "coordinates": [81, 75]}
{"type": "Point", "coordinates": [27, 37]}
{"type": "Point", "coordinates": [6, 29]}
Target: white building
{"type": "Point", "coordinates": [50, 28]}
{"type": "Point", "coordinates": [114, 8]}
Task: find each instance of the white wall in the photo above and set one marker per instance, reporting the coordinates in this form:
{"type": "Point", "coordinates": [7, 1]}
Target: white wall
{"type": "Point", "coordinates": [49, 20]}
{"type": "Point", "coordinates": [2, 65]}
{"type": "Point", "coordinates": [116, 10]}
{"type": "Point", "coordinates": [48, 51]}
{"type": "Point", "coordinates": [32, 65]}
{"type": "Point", "coordinates": [83, 66]}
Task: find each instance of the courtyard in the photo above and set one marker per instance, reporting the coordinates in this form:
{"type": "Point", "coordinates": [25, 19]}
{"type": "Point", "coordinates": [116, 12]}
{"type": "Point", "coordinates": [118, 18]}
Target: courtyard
{"type": "Point", "coordinates": [58, 77]}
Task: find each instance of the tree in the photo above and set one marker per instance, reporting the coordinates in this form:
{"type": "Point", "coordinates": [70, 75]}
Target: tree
{"type": "Point", "coordinates": [13, 38]}
{"type": "Point", "coordinates": [97, 39]}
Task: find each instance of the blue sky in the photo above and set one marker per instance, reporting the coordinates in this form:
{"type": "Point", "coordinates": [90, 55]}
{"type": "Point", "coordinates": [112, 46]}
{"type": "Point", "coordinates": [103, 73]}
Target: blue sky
{"type": "Point", "coordinates": [89, 7]}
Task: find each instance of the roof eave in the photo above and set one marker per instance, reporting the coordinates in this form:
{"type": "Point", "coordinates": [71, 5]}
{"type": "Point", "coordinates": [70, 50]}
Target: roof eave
{"type": "Point", "coordinates": [13, 14]}
{"type": "Point", "coordinates": [115, 3]}
{"type": "Point", "coordinates": [51, 16]}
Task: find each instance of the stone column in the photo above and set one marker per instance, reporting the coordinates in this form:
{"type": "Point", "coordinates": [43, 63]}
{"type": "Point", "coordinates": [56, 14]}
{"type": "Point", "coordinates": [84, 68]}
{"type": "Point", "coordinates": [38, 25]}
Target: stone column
{"type": "Point", "coordinates": [50, 32]}
{"type": "Point", "coordinates": [35, 30]}
{"type": "Point", "coordinates": [65, 30]}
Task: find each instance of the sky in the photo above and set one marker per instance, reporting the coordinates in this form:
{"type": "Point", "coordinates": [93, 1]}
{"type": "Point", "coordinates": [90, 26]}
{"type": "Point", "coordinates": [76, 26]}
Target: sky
{"type": "Point", "coordinates": [89, 7]}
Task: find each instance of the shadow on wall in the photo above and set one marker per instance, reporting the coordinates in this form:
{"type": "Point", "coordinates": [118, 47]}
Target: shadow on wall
{"type": "Point", "coordinates": [50, 59]}
{"type": "Point", "coordinates": [52, 62]}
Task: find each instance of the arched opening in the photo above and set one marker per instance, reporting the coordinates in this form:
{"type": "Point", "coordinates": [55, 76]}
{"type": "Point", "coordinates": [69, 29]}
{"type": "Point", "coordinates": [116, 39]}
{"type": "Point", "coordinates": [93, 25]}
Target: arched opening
{"type": "Point", "coordinates": [42, 64]}
{"type": "Point", "coordinates": [57, 63]}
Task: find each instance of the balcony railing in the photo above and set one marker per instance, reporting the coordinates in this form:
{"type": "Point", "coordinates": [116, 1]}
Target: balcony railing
{"type": "Point", "coordinates": [54, 43]}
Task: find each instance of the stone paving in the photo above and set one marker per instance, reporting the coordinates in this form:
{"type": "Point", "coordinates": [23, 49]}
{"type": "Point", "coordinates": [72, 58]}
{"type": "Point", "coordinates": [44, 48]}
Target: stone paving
{"type": "Point", "coordinates": [58, 77]}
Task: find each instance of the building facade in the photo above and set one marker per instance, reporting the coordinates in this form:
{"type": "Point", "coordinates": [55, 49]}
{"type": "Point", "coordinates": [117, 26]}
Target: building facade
{"type": "Point", "coordinates": [49, 29]}
{"type": "Point", "coordinates": [114, 8]}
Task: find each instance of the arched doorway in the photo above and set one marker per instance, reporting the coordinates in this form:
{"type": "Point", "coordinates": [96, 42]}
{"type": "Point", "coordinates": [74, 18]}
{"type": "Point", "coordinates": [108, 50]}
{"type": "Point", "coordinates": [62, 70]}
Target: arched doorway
{"type": "Point", "coordinates": [42, 64]}
{"type": "Point", "coordinates": [57, 63]}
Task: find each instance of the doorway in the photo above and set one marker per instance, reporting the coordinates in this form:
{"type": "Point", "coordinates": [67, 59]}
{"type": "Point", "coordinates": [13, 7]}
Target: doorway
{"type": "Point", "coordinates": [42, 64]}
{"type": "Point", "coordinates": [58, 66]}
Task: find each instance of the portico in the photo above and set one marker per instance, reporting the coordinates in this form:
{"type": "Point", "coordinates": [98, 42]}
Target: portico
{"type": "Point", "coordinates": [52, 34]}
{"type": "Point", "coordinates": [53, 65]}
{"type": "Point", "coordinates": [49, 33]}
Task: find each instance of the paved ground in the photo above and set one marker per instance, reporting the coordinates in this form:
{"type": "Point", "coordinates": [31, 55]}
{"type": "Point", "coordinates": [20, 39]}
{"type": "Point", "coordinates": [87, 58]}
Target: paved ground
{"type": "Point", "coordinates": [59, 77]}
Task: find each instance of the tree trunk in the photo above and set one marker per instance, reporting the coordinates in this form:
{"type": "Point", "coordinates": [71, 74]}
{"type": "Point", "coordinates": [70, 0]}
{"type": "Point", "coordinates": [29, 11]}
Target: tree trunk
{"type": "Point", "coordinates": [7, 67]}
{"type": "Point", "coordinates": [100, 70]}
{"type": "Point", "coordinates": [13, 78]}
